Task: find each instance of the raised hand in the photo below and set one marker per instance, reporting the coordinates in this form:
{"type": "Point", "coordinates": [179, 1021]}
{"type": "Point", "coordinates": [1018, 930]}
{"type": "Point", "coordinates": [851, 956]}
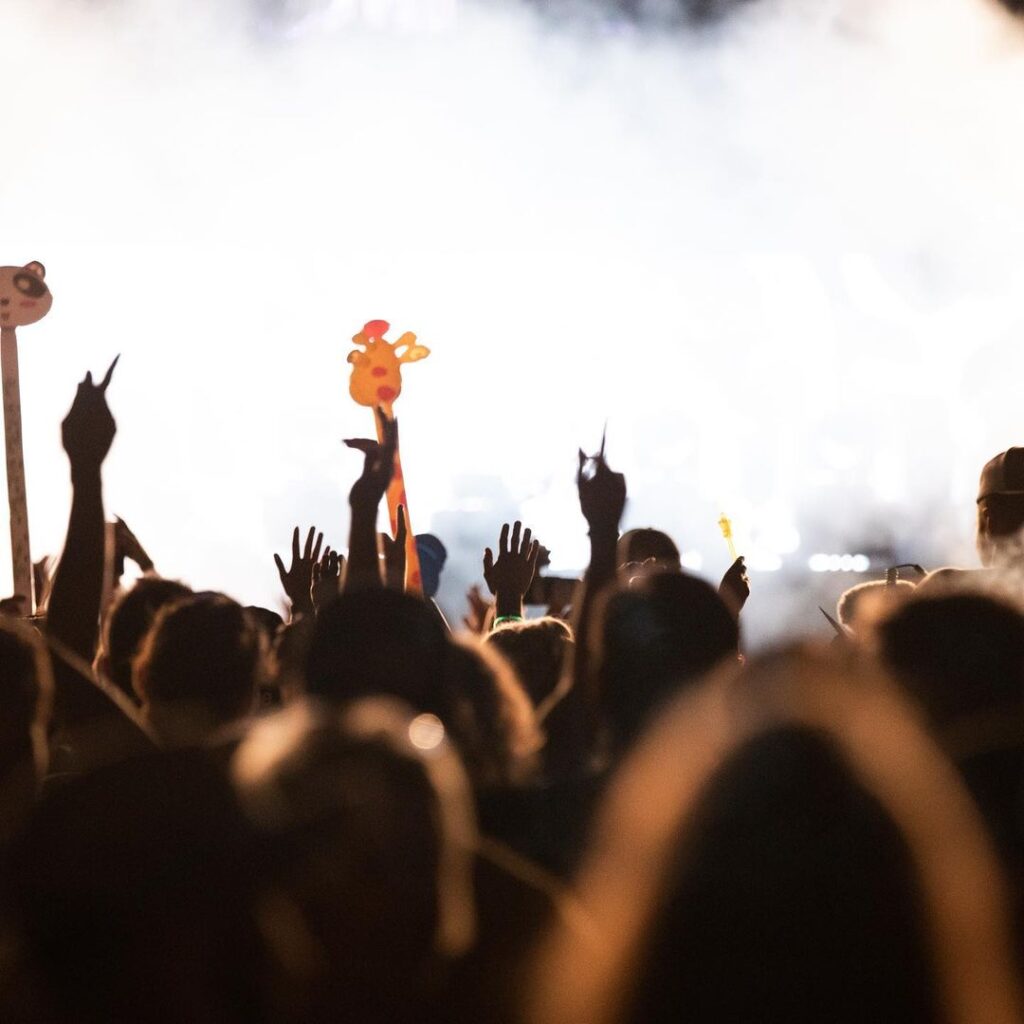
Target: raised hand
{"type": "Point", "coordinates": [509, 577]}
{"type": "Point", "coordinates": [378, 463]}
{"type": "Point", "coordinates": [394, 553]}
{"type": "Point", "coordinates": [298, 579]}
{"type": "Point", "coordinates": [128, 545]}
{"type": "Point", "coordinates": [88, 429]}
{"type": "Point", "coordinates": [602, 493]}
{"type": "Point", "coordinates": [326, 578]}
{"type": "Point", "coordinates": [479, 610]}
{"type": "Point", "coordinates": [735, 586]}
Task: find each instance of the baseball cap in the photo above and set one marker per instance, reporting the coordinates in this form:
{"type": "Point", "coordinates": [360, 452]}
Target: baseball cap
{"type": "Point", "coordinates": [1003, 475]}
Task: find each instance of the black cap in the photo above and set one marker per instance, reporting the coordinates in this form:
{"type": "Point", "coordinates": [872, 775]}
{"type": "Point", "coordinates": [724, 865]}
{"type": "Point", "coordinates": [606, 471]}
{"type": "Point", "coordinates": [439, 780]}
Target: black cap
{"type": "Point", "coordinates": [1003, 475]}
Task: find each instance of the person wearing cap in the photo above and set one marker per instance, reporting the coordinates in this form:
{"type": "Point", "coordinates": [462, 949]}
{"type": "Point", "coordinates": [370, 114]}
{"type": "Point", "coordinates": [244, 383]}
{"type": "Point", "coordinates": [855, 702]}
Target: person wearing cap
{"type": "Point", "coordinates": [433, 555]}
{"type": "Point", "coordinates": [1001, 506]}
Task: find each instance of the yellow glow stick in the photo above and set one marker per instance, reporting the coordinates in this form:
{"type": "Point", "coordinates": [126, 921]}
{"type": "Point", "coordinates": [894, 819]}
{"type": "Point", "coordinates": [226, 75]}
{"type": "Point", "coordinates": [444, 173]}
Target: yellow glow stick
{"type": "Point", "coordinates": [725, 525]}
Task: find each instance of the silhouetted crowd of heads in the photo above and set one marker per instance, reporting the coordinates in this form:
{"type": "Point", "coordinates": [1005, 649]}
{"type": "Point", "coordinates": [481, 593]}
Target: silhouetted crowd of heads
{"type": "Point", "coordinates": [601, 812]}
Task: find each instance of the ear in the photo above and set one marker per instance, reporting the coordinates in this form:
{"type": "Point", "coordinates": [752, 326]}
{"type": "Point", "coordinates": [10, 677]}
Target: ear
{"type": "Point", "coordinates": [984, 520]}
{"type": "Point", "coordinates": [35, 267]}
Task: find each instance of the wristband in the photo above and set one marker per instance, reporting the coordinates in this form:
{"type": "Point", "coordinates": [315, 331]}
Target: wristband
{"type": "Point", "coordinates": [502, 619]}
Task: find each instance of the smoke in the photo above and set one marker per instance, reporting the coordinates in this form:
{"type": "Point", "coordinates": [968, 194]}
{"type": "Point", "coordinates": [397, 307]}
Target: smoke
{"type": "Point", "coordinates": [778, 253]}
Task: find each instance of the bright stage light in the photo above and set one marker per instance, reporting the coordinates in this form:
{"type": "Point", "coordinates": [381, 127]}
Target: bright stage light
{"type": "Point", "coordinates": [774, 257]}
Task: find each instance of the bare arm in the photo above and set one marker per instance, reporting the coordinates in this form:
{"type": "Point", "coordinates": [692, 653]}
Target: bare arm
{"type": "Point", "coordinates": [74, 608]}
{"type": "Point", "coordinates": [363, 568]}
{"type": "Point", "coordinates": [95, 723]}
{"type": "Point", "coordinates": [602, 501]}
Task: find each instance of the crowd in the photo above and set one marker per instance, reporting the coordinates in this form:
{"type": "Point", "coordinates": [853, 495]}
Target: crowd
{"type": "Point", "coordinates": [607, 813]}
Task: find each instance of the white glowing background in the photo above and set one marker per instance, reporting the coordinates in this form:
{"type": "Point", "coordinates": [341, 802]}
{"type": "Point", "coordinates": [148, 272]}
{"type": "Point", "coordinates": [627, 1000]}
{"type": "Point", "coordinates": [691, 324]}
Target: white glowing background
{"type": "Point", "coordinates": [783, 259]}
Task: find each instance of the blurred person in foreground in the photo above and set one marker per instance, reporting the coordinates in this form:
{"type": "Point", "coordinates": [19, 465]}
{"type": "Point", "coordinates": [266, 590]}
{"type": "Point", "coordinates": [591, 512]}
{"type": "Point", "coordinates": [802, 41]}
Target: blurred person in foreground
{"type": "Point", "coordinates": [786, 845]}
{"type": "Point", "coordinates": [380, 898]}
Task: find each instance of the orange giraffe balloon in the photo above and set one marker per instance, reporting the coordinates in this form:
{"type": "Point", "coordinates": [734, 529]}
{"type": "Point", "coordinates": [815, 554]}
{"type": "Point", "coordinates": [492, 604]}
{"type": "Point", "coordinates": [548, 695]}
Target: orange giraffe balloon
{"type": "Point", "coordinates": [376, 381]}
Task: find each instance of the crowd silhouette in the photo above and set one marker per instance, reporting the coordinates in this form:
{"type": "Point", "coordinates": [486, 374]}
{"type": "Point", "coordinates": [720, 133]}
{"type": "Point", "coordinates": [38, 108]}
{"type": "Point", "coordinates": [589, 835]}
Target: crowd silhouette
{"type": "Point", "coordinates": [607, 813]}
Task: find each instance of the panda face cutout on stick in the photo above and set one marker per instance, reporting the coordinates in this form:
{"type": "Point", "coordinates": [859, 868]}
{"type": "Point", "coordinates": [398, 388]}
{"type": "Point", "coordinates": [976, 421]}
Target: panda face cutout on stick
{"type": "Point", "coordinates": [24, 297]}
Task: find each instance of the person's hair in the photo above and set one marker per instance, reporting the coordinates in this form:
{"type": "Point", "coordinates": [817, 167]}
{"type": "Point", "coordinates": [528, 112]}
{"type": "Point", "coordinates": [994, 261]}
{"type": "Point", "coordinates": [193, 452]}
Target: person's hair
{"type": "Point", "coordinates": [875, 595]}
{"type": "Point", "coordinates": [26, 684]}
{"type": "Point", "coordinates": [369, 828]}
{"type": "Point", "coordinates": [1005, 513]}
{"type": "Point", "coordinates": [645, 543]}
{"type": "Point", "coordinates": [489, 716]}
{"type": "Point", "coordinates": [958, 654]}
{"type": "Point", "coordinates": [794, 867]}
{"type": "Point", "coordinates": [268, 621]}
{"type": "Point", "coordinates": [378, 642]}
{"type": "Point", "coordinates": [130, 889]}
{"type": "Point", "coordinates": [785, 844]}
{"type": "Point", "coordinates": [655, 636]}
{"type": "Point", "coordinates": [26, 702]}
{"type": "Point", "coordinates": [203, 652]}
{"type": "Point", "coordinates": [383, 643]}
{"type": "Point", "coordinates": [129, 620]}
{"type": "Point", "coordinates": [536, 649]}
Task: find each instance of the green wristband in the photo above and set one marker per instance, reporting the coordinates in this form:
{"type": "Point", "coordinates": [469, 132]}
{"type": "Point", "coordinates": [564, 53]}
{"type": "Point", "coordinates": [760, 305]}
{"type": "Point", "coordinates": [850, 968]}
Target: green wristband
{"type": "Point", "coordinates": [502, 619]}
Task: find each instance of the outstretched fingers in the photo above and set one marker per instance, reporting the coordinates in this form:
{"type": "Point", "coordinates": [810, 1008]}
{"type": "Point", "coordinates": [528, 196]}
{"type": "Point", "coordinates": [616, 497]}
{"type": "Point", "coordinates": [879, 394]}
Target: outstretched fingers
{"type": "Point", "coordinates": [534, 554]}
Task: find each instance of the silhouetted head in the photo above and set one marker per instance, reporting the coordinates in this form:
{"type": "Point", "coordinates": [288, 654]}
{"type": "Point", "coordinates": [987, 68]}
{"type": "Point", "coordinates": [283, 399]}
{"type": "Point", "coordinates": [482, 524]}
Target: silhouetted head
{"type": "Point", "coordinates": [433, 555]}
{"type": "Point", "coordinates": [127, 623]}
{"type": "Point", "coordinates": [960, 655]}
{"type": "Point", "coordinates": [663, 631]}
{"type": "Point", "coordinates": [131, 890]}
{"type": "Point", "coordinates": [370, 836]}
{"type": "Point", "coordinates": [288, 663]}
{"type": "Point", "coordinates": [536, 649]}
{"type": "Point", "coordinates": [794, 899]}
{"type": "Point", "coordinates": [861, 606]}
{"type": "Point", "coordinates": [489, 716]}
{"type": "Point", "coordinates": [199, 668]}
{"type": "Point", "coordinates": [374, 643]}
{"type": "Point", "coordinates": [1001, 507]}
{"type": "Point", "coordinates": [644, 544]}
{"type": "Point", "coordinates": [268, 621]}
{"type": "Point", "coordinates": [785, 845]}
{"type": "Point", "coordinates": [26, 699]}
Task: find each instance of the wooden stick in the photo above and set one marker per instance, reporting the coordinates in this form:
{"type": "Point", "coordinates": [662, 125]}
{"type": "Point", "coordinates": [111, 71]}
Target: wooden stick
{"type": "Point", "coordinates": [21, 558]}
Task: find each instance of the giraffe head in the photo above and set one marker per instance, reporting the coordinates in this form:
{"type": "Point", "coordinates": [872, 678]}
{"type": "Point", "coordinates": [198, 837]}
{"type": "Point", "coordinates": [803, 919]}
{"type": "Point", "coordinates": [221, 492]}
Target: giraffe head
{"type": "Point", "coordinates": [24, 297]}
{"type": "Point", "coordinates": [377, 364]}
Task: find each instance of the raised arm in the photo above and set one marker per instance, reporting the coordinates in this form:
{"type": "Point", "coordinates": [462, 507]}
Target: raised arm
{"type": "Point", "coordinates": [74, 608]}
{"type": "Point", "coordinates": [96, 722]}
{"type": "Point", "coordinates": [363, 568]}
{"type": "Point", "coordinates": [602, 501]}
